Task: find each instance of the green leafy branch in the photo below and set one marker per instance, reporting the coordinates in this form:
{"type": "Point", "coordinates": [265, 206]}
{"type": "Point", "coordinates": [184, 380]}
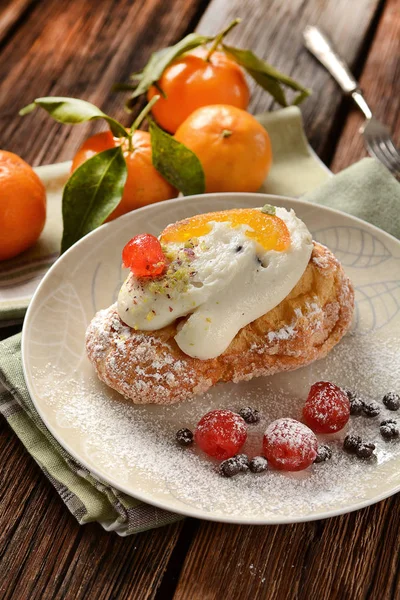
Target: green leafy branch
{"type": "Point", "coordinates": [159, 61]}
{"type": "Point", "coordinates": [72, 111]}
{"type": "Point", "coordinates": [96, 187]}
{"type": "Point", "coordinates": [269, 78]}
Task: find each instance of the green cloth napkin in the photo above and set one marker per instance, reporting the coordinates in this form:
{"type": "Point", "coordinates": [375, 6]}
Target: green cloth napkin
{"type": "Point", "coordinates": [365, 190]}
{"type": "Point", "coordinates": [88, 498]}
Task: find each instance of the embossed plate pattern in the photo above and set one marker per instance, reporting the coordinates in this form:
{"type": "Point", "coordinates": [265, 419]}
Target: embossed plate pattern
{"type": "Point", "coordinates": [104, 434]}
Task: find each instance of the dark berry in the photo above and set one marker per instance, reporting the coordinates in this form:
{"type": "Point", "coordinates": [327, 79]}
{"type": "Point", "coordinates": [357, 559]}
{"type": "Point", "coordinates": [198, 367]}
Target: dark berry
{"type": "Point", "coordinates": [184, 437]}
{"type": "Point", "coordinates": [230, 467]}
{"type": "Point", "coordinates": [389, 429]}
{"type": "Point", "coordinates": [391, 401]}
{"type": "Point", "coordinates": [351, 394]}
{"type": "Point", "coordinates": [365, 450]}
{"type": "Point", "coordinates": [356, 404]}
{"type": "Point", "coordinates": [324, 453]}
{"type": "Point", "coordinates": [352, 443]}
{"type": "Point", "coordinates": [258, 464]}
{"type": "Point", "coordinates": [250, 415]}
{"type": "Point", "coordinates": [327, 408]}
{"type": "Point", "coordinates": [243, 461]}
{"type": "Point", "coordinates": [371, 410]}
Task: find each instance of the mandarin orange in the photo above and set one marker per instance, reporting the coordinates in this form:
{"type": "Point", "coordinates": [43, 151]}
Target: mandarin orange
{"type": "Point", "coordinates": [232, 146]}
{"type": "Point", "coordinates": [191, 81]}
{"type": "Point", "coordinates": [144, 184]}
{"type": "Point", "coordinates": [22, 205]}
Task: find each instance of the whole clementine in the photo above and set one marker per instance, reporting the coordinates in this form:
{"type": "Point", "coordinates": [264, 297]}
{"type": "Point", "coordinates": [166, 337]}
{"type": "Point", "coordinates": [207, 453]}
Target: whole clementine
{"type": "Point", "coordinates": [22, 205]}
{"type": "Point", "coordinates": [232, 146]}
{"type": "Point", "coordinates": [144, 184]}
{"type": "Point", "coordinates": [192, 81]}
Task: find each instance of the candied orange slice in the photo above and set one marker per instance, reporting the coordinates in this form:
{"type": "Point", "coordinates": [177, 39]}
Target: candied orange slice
{"type": "Point", "coordinates": [268, 230]}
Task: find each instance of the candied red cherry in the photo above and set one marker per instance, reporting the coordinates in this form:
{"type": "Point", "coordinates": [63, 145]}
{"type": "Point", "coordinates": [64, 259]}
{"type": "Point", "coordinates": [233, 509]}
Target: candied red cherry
{"type": "Point", "coordinates": [221, 433]}
{"type": "Point", "coordinates": [143, 255]}
{"type": "Point", "coordinates": [327, 408]}
{"type": "Point", "coordinates": [289, 445]}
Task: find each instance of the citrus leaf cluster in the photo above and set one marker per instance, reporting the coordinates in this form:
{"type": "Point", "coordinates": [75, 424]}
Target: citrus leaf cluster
{"type": "Point", "coordinates": [95, 188]}
{"type": "Point", "coordinates": [270, 79]}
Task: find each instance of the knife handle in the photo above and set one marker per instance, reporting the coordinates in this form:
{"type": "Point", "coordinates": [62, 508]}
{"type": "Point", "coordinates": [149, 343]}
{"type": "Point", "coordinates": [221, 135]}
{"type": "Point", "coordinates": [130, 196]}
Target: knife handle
{"type": "Point", "coordinates": [320, 46]}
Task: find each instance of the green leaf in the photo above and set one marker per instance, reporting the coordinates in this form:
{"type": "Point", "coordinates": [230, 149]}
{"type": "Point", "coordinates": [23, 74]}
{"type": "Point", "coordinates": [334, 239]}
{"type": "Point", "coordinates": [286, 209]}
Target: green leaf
{"type": "Point", "coordinates": [72, 111]}
{"type": "Point", "coordinates": [91, 194]}
{"type": "Point", "coordinates": [268, 209]}
{"type": "Point", "coordinates": [176, 163]}
{"type": "Point", "coordinates": [122, 87]}
{"type": "Point", "coordinates": [269, 85]}
{"type": "Point", "coordinates": [302, 96]}
{"type": "Point", "coordinates": [266, 75]}
{"type": "Point", "coordinates": [27, 109]}
{"type": "Point", "coordinates": [160, 60]}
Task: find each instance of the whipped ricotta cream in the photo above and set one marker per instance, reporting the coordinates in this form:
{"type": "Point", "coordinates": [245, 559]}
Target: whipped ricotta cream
{"type": "Point", "coordinates": [220, 281]}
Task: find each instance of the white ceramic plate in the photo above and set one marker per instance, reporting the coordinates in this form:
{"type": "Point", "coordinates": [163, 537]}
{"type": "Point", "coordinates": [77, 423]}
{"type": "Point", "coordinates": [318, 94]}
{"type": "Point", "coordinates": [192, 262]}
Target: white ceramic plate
{"type": "Point", "coordinates": [133, 448]}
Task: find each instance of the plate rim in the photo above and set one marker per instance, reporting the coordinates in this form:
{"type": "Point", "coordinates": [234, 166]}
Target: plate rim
{"type": "Point", "coordinates": [143, 497]}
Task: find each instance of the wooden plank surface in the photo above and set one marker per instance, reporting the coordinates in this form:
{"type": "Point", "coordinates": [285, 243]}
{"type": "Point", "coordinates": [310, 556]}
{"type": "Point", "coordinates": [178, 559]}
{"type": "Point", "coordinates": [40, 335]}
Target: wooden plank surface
{"type": "Point", "coordinates": [273, 30]}
{"type": "Point", "coordinates": [80, 48]}
{"type": "Point", "coordinates": [11, 13]}
{"type": "Point", "coordinates": [340, 558]}
{"type": "Point", "coordinates": [380, 81]}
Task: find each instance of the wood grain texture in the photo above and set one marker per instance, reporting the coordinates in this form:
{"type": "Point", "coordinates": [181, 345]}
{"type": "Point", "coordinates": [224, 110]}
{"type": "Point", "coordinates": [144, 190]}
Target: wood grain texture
{"type": "Point", "coordinates": [79, 48]}
{"type": "Point", "coordinates": [350, 557]}
{"type": "Point", "coordinates": [273, 29]}
{"type": "Point", "coordinates": [380, 81]}
{"type": "Point", "coordinates": [45, 555]}
{"type": "Point", "coordinates": [11, 12]}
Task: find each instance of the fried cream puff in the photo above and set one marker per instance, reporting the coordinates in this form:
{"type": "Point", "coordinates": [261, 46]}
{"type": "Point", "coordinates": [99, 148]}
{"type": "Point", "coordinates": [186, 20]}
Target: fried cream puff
{"type": "Point", "coordinates": [237, 294]}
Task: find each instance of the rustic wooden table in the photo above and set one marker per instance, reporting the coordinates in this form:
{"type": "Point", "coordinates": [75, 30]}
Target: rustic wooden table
{"type": "Point", "coordinates": [79, 48]}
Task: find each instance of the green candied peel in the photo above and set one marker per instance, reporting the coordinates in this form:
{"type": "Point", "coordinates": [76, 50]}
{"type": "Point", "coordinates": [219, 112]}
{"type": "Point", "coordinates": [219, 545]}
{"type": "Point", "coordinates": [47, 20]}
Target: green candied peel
{"type": "Point", "coordinates": [191, 243]}
{"type": "Point", "coordinates": [177, 276]}
{"type": "Point", "coordinates": [169, 254]}
{"type": "Point", "coordinates": [268, 209]}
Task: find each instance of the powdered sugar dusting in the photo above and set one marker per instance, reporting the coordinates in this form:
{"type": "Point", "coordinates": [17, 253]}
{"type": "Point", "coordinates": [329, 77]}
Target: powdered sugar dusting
{"type": "Point", "coordinates": [292, 435]}
{"type": "Point", "coordinates": [138, 442]}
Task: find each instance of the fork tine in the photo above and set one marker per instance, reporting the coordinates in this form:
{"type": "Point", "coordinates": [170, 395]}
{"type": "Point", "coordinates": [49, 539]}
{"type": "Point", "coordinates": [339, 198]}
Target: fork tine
{"type": "Point", "coordinates": [394, 151]}
{"type": "Point", "coordinates": [383, 144]}
{"type": "Point", "coordinates": [376, 151]}
{"type": "Point", "coordinates": [394, 164]}
{"type": "Point", "coordinates": [378, 147]}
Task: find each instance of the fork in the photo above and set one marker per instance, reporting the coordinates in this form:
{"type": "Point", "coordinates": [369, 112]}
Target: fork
{"type": "Point", "coordinates": [376, 135]}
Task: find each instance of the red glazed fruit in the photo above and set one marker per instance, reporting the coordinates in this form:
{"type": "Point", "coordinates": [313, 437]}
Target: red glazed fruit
{"type": "Point", "coordinates": [327, 408]}
{"type": "Point", "coordinates": [221, 433]}
{"type": "Point", "coordinates": [143, 255]}
{"type": "Point", "coordinates": [289, 445]}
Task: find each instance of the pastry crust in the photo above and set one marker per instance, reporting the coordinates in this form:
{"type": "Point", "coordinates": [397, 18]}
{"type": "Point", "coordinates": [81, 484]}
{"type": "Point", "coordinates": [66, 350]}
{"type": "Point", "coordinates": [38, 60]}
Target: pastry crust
{"type": "Point", "coordinates": [149, 367]}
